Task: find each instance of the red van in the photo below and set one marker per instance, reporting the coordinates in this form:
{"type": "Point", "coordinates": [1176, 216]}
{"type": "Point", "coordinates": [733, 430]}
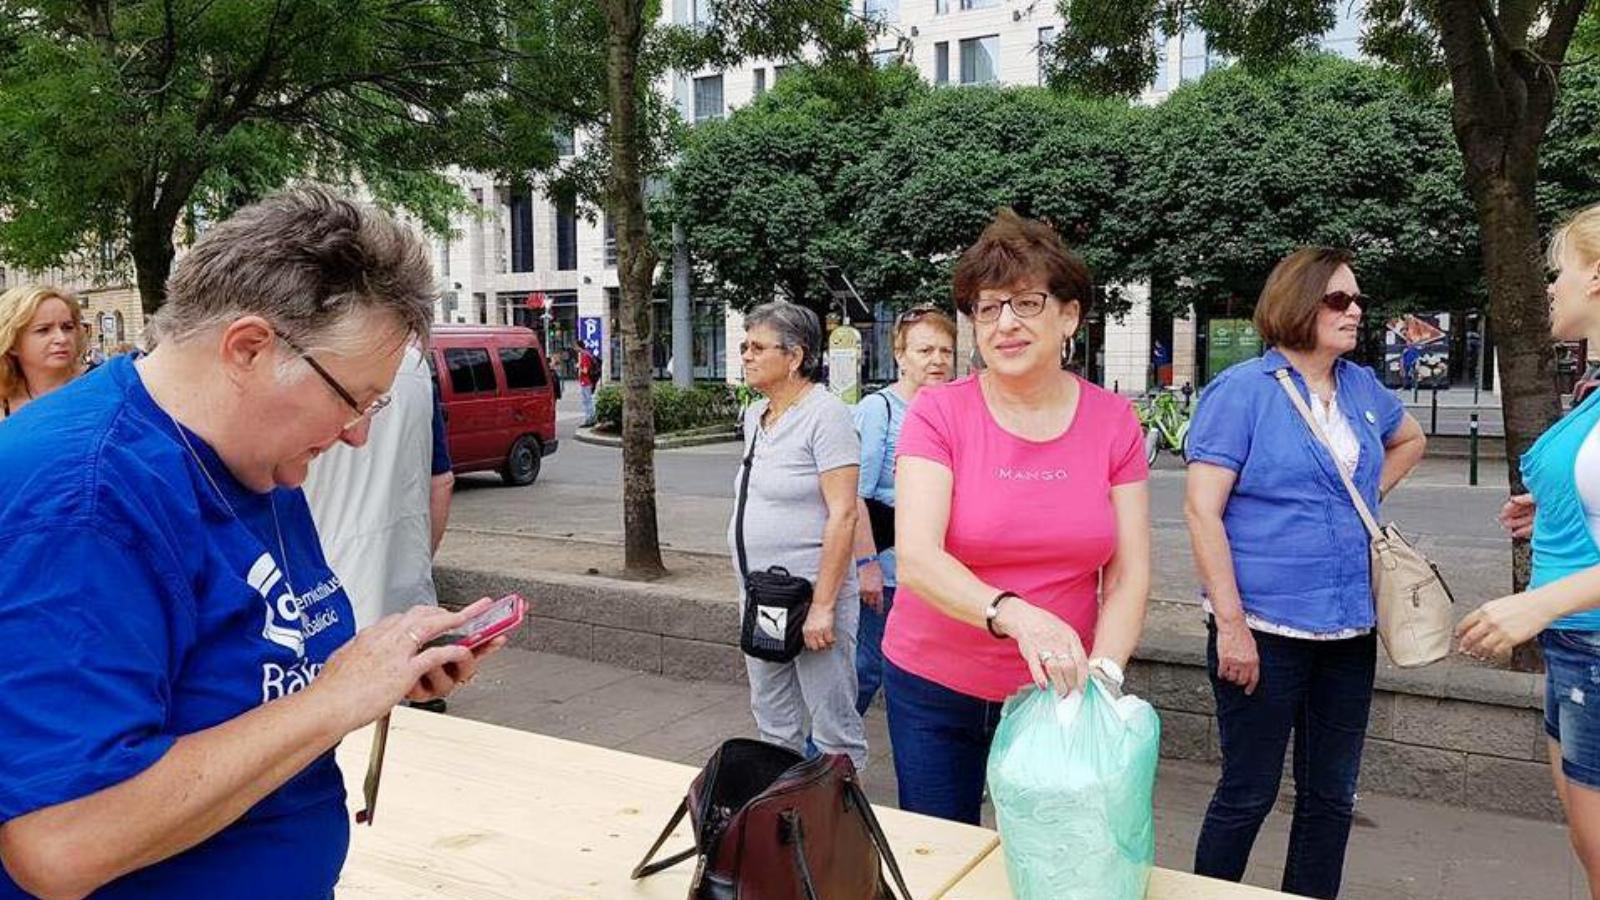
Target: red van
{"type": "Point", "coordinates": [499, 399]}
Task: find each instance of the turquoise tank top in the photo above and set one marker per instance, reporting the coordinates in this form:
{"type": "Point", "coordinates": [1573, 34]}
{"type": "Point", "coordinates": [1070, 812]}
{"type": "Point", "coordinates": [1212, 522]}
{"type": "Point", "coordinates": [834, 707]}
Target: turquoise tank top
{"type": "Point", "coordinates": [1562, 543]}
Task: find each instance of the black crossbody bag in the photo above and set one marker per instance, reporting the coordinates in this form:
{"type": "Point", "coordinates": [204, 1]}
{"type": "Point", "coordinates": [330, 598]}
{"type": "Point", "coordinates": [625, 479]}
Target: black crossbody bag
{"type": "Point", "coordinates": [775, 602]}
{"type": "Point", "coordinates": [880, 514]}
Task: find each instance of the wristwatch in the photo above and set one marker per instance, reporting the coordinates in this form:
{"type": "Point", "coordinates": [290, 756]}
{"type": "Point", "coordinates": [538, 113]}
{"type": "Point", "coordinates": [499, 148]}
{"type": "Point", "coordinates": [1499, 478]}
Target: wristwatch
{"type": "Point", "coordinates": [1109, 668]}
{"type": "Point", "coordinates": [992, 612]}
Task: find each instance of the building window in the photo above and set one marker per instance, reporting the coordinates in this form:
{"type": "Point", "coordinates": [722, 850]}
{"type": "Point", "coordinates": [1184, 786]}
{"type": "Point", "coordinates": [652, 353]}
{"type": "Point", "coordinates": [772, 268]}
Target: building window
{"type": "Point", "coordinates": [1162, 81]}
{"type": "Point", "coordinates": [941, 62]}
{"type": "Point", "coordinates": [761, 81]}
{"type": "Point", "coordinates": [611, 241]}
{"type": "Point", "coordinates": [700, 13]}
{"type": "Point", "coordinates": [883, 59]}
{"type": "Point", "coordinates": [1345, 38]}
{"type": "Point", "coordinates": [566, 234]}
{"type": "Point", "coordinates": [708, 98]}
{"type": "Point", "coordinates": [1047, 45]}
{"type": "Point", "coordinates": [566, 142]}
{"type": "Point", "coordinates": [778, 72]}
{"type": "Point", "coordinates": [1192, 56]}
{"type": "Point", "coordinates": [980, 58]}
{"type": "Point", "coordinates": [941, 7]}
{"type": "Point", "coordinates": [979, 4]}
{"type": "Point", "coordinates": [521, 203]}
{"type": "Point", "coordinates": [444, 255]}
{"type": "Point", "coordinates": [882, 11]}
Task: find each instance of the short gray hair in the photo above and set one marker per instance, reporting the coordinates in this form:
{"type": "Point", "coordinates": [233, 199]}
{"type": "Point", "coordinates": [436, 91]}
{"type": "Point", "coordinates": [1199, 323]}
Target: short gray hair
{"type": "Point", "coordinates": [797, 327]}
{"type": "Point", "coordinates": [306, 260]}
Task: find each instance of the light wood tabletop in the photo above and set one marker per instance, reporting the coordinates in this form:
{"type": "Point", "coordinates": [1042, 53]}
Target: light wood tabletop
{"type": "Point", "coordinates": [481, 812]}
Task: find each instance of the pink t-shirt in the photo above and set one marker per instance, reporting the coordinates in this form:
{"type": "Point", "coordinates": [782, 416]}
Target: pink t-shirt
{"type": "Point", "coordinates": [1032, 517]}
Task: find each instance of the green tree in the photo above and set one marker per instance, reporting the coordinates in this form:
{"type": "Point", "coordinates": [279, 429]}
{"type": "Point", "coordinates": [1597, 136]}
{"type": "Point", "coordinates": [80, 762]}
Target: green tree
{"type": "Point", "coordinates": [124, 118]}
{"type": "Point", "coordinates": [760, 195]}
{"type": "Point", "coordinates": [1229, 174]}
{"type": "Point", "coordinates": [1504, 61]}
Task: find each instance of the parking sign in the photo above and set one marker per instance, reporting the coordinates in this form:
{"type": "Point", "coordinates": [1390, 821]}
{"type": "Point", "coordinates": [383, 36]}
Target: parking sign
{"type": "Point", "coordinates": [591, 333]}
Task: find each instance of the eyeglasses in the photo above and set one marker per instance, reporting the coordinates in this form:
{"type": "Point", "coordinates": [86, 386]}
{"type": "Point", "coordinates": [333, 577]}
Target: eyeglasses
{"type": "Point", "coordinates": [754, 348]}
{"type": "Point", "coordinates": [367, 412]}
{"type": "Point", "coordinates": [1025, 305]}
{"type": "Point", "coordinates": [1339, 301]}
{"type": "Point", "coordinates": [913, 315]}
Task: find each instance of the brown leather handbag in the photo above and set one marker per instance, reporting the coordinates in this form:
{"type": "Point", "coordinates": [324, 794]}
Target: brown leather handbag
{"type": "Point", "coordinates": [770, 824]}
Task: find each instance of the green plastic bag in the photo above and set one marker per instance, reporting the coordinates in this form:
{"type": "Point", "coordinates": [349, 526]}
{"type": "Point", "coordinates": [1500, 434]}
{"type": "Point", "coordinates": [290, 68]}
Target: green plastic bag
{"type": "Point", "coordinates": [1071, 779]}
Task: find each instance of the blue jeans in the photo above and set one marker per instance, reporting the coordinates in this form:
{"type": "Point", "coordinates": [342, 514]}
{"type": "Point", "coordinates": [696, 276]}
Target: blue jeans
{"type": "Point", "coordinates": [940, 739]}
{"type": "Point", "coordinates": [1321, 691]}
{"type": "Point", "coordinates": [1572, 661]}
{"type": "Point", "coordinates": [869, 651]}
{"type": "Point", "coordinates": [586, 397]}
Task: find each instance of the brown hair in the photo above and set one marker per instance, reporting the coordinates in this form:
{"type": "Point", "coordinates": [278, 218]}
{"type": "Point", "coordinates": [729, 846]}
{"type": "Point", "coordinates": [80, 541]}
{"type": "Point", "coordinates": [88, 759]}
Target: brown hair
{"type": "Point", "coordinates": [1014, 249]}
{"type": "Point", "coordinates": [902, 328]}
{"type": "Point", "coordinates": [1286, 313]}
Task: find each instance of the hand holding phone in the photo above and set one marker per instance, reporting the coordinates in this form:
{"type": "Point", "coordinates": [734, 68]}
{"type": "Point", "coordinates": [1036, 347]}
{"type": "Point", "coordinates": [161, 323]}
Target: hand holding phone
{"type": "Point", "coordinates": [501, 617]}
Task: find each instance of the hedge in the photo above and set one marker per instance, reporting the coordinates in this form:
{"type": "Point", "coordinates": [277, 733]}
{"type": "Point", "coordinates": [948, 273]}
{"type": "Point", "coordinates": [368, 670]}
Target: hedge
{"type": "Point", "coordinates": [676, 409]}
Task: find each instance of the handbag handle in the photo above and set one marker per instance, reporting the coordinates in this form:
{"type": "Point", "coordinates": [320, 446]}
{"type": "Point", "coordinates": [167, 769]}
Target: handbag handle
{"type": "Point", "coordinates": [1299, 402]}
{"type": "Point", "coordinates": [744, 491]}
{"type": "Point", "coordinates": [646, 867]}
{"type": "Point", "coordinates": [885, 853]}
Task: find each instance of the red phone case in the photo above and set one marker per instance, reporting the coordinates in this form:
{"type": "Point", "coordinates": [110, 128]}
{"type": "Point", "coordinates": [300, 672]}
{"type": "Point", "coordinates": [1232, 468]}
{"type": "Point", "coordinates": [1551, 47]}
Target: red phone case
{"type": "Point", "coordinates": [475, 639]}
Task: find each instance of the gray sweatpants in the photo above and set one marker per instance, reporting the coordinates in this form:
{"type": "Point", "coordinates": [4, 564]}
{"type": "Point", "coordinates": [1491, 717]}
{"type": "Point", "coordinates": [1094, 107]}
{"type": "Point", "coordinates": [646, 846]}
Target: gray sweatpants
{"type": "Point", "coordinates": [819, 687]}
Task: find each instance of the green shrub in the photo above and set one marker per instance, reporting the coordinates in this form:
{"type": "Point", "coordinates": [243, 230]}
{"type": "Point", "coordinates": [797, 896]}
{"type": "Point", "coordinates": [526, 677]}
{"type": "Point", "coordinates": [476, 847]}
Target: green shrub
{"type": "Point", "coordinates": [676, 409]}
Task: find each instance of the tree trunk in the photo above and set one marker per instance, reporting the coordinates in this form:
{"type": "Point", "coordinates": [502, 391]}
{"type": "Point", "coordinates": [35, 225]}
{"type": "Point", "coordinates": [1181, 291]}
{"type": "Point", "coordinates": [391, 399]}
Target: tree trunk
{"type": "Point", "coordinates": [636, 265]}
{"type": "Point", "coordinates": [1513, 266]}
{"type": "Point", "coordinates": [150, 243]}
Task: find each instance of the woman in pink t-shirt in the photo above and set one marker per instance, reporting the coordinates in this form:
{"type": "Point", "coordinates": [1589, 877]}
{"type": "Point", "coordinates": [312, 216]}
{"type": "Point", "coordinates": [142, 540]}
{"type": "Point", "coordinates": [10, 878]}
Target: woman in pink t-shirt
{"type": "Point", "coordinates": [1022, 520]}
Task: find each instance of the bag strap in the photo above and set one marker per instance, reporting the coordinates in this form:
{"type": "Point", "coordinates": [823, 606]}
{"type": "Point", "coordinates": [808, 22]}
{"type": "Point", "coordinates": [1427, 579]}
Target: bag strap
{"type": "Point", "coordinates": [885, 853]}
{"type": "Point", "coordinates": [646, 867]}
{"type": "Point", "coordinates": [1299, 402]}
{"type": "Point", "coordinates": [795, 837]}
{"type": "Point", "coordinates": [744, 492]}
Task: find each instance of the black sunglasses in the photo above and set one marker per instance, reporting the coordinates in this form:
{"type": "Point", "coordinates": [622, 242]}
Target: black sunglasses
{"type": "Point", "coordinates": [1339, 301]}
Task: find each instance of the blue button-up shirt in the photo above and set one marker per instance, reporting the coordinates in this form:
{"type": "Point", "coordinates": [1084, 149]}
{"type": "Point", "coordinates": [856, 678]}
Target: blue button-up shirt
{"type": "Point", "coordinates": [1299, 548]}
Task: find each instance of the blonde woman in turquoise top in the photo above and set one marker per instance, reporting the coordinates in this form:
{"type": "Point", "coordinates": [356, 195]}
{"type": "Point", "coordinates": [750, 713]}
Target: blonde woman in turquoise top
{"type": "Point", "coordinates": [1562, 603]}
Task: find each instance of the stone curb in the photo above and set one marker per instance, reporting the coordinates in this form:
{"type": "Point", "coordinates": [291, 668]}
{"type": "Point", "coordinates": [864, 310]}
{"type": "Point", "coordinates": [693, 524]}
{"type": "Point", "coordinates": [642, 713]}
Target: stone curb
{"type": "Point", "coordinates": [663, 442]}
{"type": "Point", "coordinates": [1456, 734]}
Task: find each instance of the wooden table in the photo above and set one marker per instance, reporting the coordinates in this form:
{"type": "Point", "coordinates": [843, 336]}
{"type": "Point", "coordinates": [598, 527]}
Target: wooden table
{"type": "Point", "coordinates": [479, 812]}
{"type": "Point", "coordinates": [988, 882]}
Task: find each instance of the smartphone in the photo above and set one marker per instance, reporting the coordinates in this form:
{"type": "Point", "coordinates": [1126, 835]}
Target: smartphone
{"type": "Point", "coordinates": [501, 616]}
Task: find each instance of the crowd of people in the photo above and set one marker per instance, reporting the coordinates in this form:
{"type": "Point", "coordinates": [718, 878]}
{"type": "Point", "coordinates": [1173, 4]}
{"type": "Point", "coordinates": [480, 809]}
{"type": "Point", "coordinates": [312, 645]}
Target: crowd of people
{"type": "Point", "coordinates": [208, 632]}
{"type": "Point", "coordinates": [962, 593]}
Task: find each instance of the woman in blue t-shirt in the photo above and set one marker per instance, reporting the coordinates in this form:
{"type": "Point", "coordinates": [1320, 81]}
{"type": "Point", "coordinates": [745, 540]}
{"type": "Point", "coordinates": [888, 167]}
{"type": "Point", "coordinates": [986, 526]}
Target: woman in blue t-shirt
{"type": "Point", "coordinates": [1562, 603]}
{"type": "Point", "coordinates": [180, 660]}
{"type": "Point", "coordinates": [925, 353]}
{"type": "Point", "coordinates": [1282, 555]}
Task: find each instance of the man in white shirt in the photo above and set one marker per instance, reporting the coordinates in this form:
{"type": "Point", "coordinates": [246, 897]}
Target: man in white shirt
{"type": "Point", "coordinates": [381, 510]}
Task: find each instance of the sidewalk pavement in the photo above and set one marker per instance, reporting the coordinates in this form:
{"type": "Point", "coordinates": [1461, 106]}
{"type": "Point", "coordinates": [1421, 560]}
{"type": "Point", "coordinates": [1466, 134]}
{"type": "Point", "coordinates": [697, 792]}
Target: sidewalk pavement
{"type": "Point", "coordinates": [1399, 849]}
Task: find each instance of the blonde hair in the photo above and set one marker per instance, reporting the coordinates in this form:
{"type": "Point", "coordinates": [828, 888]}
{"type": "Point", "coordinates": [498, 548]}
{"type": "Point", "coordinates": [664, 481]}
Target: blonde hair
{"type": "Point", "coordinates": [1582, 233]}
{"type": "Point", "coordinates": [18, 306]}
{"type": "Point", "coordinates": [940, 321]}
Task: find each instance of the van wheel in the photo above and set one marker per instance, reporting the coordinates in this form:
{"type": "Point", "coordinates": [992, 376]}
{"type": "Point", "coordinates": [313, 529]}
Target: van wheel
{"type": "Point", "coordinates": [522, 464]}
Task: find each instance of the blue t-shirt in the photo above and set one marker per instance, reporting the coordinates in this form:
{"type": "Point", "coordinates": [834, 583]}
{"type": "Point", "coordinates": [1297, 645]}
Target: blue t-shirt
{"type": "Point", "coordinates": [1562, 543]}
{"type": "Point", "coordinates": [441, 435]}
{"type": "Point", "coordinates": [878, 417]}
{"type": "Point", "coordinates": [1299, 547]}
{"type": "Point", "coordinates": [137, 606]}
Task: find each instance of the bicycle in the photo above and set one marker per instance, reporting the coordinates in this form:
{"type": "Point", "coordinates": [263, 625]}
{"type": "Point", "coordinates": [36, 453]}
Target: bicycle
{"type": "Point", "coordinates": [1165, 419]}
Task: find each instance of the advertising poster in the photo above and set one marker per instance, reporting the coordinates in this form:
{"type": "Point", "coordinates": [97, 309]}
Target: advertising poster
{"type": "Point", "coordinates": [1416, 351]}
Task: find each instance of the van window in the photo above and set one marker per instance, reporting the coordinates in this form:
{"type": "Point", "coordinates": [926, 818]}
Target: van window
{"type": "Point", "coordinates": [470, 370]}
{"type": "Point", "coordinates": [523, 371]}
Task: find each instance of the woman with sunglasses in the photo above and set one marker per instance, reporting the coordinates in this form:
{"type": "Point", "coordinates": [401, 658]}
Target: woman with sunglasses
{"type": "Point", "coordinates": [1282, 556]}
{"type": "Point", "coordinates": [1022, 523]}
{"type": "Point", "coordinates": [925, 353]}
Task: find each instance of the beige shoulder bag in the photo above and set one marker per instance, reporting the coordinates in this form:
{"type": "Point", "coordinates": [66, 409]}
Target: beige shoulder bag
{"type": "Point", "coordinates": [1413, 603]}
